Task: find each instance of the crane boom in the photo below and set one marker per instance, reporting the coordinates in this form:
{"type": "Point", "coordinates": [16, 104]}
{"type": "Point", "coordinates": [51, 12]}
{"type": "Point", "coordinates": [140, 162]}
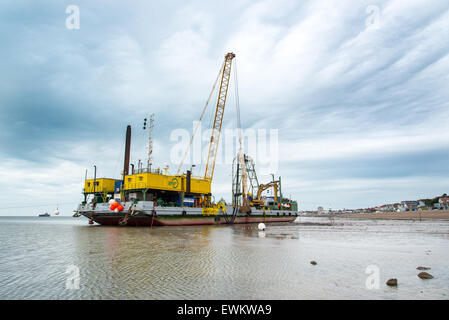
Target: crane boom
{"type": "Point", "coordinates": [218, 120]}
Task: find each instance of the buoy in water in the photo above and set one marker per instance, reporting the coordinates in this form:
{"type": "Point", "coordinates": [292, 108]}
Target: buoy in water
{"type": "Point", "coordinates": [56, 212]}
{"type": "Point", "coordinates": [261, 226]}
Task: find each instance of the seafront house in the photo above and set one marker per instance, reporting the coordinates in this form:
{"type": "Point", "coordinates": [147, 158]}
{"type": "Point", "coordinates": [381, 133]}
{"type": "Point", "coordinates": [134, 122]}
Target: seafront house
{"type": "Point", "coordinates": [409, 205]}
{"type": "Point", "coordinates": [444, 203]}
{"type": "Point", "coordinates": [385, 208]}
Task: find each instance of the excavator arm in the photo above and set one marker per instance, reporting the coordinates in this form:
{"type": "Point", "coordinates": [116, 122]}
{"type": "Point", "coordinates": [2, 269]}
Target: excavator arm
{"type": "Point", "coordinates": [263, 187]}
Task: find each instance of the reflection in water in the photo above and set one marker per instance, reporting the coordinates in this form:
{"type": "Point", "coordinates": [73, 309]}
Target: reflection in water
{"type": "Point", "coordinates": [221, 262]}
{"type": "Point", "coordinates": [143, 262]}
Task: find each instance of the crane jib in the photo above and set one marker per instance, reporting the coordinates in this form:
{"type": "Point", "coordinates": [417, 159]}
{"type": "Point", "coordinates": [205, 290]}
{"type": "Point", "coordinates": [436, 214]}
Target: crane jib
{"type": "Point", "coordinates": [218, 119]}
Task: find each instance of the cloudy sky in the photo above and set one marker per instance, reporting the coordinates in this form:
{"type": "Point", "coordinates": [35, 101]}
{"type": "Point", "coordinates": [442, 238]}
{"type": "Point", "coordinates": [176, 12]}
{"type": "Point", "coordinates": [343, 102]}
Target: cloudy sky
{"type": "Point", "coordinates": [358, 91]}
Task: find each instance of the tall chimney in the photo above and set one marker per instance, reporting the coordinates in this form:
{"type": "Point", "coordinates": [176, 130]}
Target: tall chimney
{"type": "Point", "coordinates": [127, 151]}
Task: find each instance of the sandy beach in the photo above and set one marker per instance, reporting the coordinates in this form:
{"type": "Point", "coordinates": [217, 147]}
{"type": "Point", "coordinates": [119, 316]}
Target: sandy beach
{"type": "Point", "coordinates": [413, 215]}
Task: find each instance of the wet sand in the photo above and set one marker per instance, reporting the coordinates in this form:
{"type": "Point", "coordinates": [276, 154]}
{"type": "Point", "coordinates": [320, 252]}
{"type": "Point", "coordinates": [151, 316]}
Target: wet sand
{"type": "Point", "coordinates": [408, 215]}
{"type": "Point", "coordinates": [39, 257]}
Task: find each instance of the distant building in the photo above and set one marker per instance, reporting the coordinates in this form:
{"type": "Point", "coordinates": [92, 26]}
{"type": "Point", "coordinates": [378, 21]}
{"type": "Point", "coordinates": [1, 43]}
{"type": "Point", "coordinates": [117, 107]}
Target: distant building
{"type": "Point", "coordinates": [386, 208]}
{"type": "Point", "coordinates": [320, 210]}
{"type": "Point", "coordinates": [409, 205]}
{"type": "Point", "coordinates": [444, 202]}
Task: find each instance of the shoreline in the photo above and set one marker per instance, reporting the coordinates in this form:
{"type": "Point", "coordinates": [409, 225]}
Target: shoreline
{"type": "Point", "coordinates": [406, 215]}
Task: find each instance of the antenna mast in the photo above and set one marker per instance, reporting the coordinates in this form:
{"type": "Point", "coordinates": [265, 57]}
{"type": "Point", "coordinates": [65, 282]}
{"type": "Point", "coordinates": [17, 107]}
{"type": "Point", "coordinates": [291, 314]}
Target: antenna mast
{"type": "Point", "coordinates": [150, 142]}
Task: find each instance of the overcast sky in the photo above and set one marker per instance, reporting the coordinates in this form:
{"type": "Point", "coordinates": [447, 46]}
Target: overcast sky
{"type": "Point", "coordinates": [361, 104]}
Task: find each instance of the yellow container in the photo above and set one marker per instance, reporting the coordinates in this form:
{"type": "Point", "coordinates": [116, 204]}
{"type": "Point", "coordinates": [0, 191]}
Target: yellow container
{"type": "Point", "coordinates": [101, 185]}
{"type": "Point", "coordinates": [201, 186]}
{"type": "Point", "coordinates": [149, 180]}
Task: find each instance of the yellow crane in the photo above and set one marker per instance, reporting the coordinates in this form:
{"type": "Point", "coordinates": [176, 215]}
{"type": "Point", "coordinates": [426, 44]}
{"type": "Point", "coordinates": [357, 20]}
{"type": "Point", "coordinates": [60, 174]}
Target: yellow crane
{"type": "Point", "coordinates": [218, 119]}
{"type": "Point", "coordinates": [225, 76]}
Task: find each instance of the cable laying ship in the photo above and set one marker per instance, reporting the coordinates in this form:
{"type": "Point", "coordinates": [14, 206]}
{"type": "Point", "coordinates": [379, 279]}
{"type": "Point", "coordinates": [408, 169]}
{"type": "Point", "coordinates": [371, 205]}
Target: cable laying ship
{"type": "Point", "coordinates": [152, 198]}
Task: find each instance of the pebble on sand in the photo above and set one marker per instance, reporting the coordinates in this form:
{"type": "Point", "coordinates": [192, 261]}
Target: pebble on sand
{"type": "Point", "coordinates": [392, 282]}
{"type": "Point", "coordinates": [313, 262]}
{"type": "Point", "coordinates": [423, 268]}
{"type": "Point", "coordinates": [425, 275]}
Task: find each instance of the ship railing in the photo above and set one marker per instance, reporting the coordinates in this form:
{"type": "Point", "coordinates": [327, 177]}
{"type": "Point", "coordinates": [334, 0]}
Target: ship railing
{"type": "Point", "coordinates": [146, 170]}
{"type": "Point", "coordinates": [198, 177]}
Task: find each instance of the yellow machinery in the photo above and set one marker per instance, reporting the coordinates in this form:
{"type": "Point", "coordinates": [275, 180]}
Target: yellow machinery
{"type": "Point", "coordinates": [218, 120]}
{"type": "Point", "coordinates": [214, 210]}
{"type": "Point", "coordinates": [262, 187]}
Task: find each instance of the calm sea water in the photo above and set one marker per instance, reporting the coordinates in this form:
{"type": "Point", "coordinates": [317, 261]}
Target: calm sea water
{"type": "Point", "coordinates": [221, 262]}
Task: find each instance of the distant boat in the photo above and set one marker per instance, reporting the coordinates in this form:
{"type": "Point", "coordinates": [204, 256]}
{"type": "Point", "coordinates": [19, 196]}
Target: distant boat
{"type": "Point", "coordinates": [44, 214]}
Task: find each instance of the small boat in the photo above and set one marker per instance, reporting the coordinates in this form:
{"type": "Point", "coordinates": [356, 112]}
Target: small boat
{"type": "Point", "coordinates": [44, 214]}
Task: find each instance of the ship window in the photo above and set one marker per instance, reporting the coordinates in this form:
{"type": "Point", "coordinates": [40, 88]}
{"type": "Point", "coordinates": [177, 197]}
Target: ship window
{"type": "Point", "coordinates": [140, 178]}
{"type": "Point", "coordinates": [129, 179]}
{"type": "Point", "coordinates": [88, 184]}
{"type": "Point", "coordinates": [97, 183]}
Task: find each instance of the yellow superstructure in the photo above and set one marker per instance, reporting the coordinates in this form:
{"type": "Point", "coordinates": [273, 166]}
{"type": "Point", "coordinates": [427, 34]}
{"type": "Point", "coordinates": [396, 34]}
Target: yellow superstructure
{"type": "Point", "coordinates": [101, 185]}
{"type": "Point", "coordinates": [202, 186]}
{"type": "Point", "coordinates": [150, 180]}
